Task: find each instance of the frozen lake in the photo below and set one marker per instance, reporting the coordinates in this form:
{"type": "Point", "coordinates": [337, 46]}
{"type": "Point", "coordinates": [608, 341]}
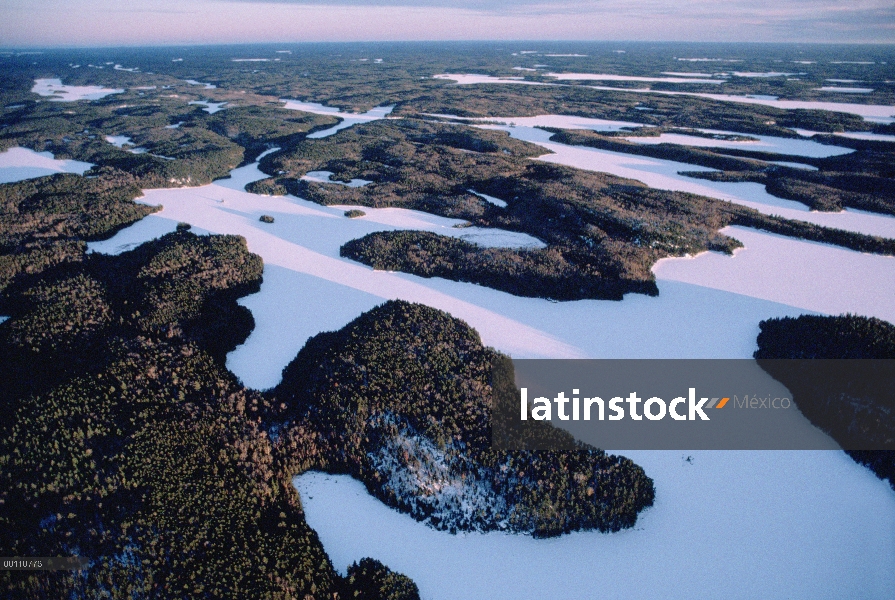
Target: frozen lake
{"type": "Point", "coordinates": [57, 92]}
{"type": "Point", "coordinates": [348, 119]}
{"type": "Point", "coordinates": [19, 164]}
{"type": "Point", "coordinates": [769, 525]}
{"type": "Point", "coordinates": [758, 143]}
{"type": "Point", "coordinates": [604, 77]}
{"type": "Point", "coordinates": [209, 106]}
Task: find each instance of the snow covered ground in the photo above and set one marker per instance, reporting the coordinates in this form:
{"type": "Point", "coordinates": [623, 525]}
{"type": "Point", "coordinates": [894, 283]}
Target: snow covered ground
{"type": "Point", "coordinates": [845, 90]}
{"type": "Point", "coordinates": [57, 92]}
{"type": "Point", "coordinates": [794, 165]}
{"type": "Point", "coordinates": [303, 270]}
{"type": "Point", "coordinates": [491, 199]}
{"type": "Point", "coordinates": [18, 164]}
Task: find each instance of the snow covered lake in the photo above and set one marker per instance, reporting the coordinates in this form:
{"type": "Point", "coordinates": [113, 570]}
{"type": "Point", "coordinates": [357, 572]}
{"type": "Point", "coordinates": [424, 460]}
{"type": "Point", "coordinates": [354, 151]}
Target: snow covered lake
{"type": "Point", "coordinates": [209, 106]}
{"type": "Point", "coordinates": [769, 525]}
{"type": "Point", "coordinates": [556, 121]}
{"type": "Point", "coordinates": [57, 92]}
{"type": "Point", "coordinates": [605, 77]}
{"type": "Point", "coordinates": [19, 164]}
{"type": "Point", "coordinates": [348, 119]}
{"type": "Point", "coordinates": [757, 143]}
{"type": "Point", "coordinates": [326, 177]}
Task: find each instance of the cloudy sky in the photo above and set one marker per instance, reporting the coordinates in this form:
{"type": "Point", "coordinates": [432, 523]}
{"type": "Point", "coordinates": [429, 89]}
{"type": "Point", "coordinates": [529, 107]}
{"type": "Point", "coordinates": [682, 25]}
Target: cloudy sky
{"type": "Point", "coordinates": [133, 22]}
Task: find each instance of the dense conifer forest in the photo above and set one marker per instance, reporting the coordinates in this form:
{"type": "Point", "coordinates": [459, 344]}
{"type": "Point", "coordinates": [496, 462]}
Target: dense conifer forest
{"type": "Point", "coordinates": [847, 392]}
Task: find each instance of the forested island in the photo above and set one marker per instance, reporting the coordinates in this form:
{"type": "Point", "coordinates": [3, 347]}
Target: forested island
{"type": "Point", "coordinates": [851, 401]}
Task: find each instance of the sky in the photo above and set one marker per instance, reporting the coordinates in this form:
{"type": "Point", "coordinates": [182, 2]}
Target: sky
{"type": "Point", "coordinates": [29, 23]}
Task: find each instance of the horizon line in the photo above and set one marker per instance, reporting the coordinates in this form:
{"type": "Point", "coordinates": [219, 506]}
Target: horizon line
{"type": "Point", "coordinates": [30, 48]}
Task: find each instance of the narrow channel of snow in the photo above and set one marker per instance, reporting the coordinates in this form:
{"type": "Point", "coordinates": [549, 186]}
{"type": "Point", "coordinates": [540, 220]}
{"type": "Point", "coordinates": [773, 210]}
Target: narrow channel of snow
{"type": "Point", "coordinates": [728, 60]}
{"type": "Point", "coordinates": [758, 143]}
{"type": "Point", "coordinates": [348, 119]}
{"type": "Point", "coordinates": [607, 77]}
{"type": "Point", "coordinates": [845, 90]}
{"type": "Point", "coordinates": [690, 74]}
{"type": "Point", "coordinates": [207, 86]}
{"type": "Point", "coordinates": [463, 79]}
{"type": "Point", "coordinates": [794, 165]}
{"type": "Point", "coordinates": [768, 74]}
{"type": "Point", "coordinates": [556, 121]}
{"type": "Point", "coordinates": [19, 164]}
{"type": "Point", "coordinates": [491, 199]}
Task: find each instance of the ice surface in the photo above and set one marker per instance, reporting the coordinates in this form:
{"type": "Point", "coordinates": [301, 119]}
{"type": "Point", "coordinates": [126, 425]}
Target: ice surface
{"type": "Point", "coordinates": [208, 86]}
{"type": "Point", "coordinates": [556, 121]}
{"type": "Point", "coordinates": [491, 199]}
{"type": "Point", "coordinates": [19, 164]}
{"type": "Point", "coordinates": [210, 107]}
{"type": "Point", "coordinates": [57, 92]}
{"type": "Point", "coordinates": [326, 177]}
{"type": "Point", "coordinates": [767, 524]}
{"type": "Point", "coordinates": [758, 143]}
{"type": "Point", "coordinates": [606, 77]}
{"type": "Point", "coordinates": [348, 119]}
